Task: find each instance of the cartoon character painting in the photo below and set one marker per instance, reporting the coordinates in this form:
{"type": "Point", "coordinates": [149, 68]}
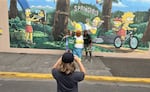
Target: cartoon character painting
{"type": "Point", "coordinates": [76, 25]}
{"type": "Point", "coordinates": [28, 28]}
{"type": "Point", "coordinates": [89, 25]}
{"type": "Point", "coordinates": [127, 19]}
{"type": "Point", "coordinates": [121, 25]}
{"type": "Point", "coordinates": [117, 24]}
{"type": "Point", "coordinates": [96, 23]}
{"type": "Point", "coordinates": [41, 16]}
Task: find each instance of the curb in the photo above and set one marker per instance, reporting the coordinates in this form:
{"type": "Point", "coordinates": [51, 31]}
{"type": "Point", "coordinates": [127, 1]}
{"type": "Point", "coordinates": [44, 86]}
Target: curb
{"type": "Point", "coordinates": [87, 77]}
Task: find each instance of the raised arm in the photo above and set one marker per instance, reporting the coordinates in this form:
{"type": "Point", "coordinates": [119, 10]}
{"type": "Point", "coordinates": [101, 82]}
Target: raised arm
{"type": "Point", "coordinates": [57, 63]}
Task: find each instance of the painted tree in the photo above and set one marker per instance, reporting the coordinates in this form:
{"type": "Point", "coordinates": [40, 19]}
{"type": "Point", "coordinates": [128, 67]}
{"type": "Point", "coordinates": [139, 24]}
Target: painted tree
{"type": "Point", "coordinates": [61, 19]}
{"type": "Point", "coordinates": [13, 11]}
{"type": "Point", "coordinates": [106, 13]}
{"type": "Point", "coordinates": [146, 35]}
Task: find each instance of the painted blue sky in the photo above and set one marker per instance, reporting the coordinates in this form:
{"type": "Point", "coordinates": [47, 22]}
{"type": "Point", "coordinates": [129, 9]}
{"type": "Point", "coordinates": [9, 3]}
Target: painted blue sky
{"type": "Point", "coordinates": [123, 5]}
{"type": "Point", "coordinates": [132, 5]}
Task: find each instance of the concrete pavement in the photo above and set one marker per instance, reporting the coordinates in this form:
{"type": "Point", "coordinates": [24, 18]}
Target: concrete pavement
{"type": "Point", "coordinates": [15, 65]}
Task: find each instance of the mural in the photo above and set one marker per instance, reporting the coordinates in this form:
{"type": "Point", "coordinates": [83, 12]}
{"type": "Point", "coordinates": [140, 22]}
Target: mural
{"type": "Point", "coordinates": [1, 31]}
{"type": "Point", "coordinates": [120, 26]}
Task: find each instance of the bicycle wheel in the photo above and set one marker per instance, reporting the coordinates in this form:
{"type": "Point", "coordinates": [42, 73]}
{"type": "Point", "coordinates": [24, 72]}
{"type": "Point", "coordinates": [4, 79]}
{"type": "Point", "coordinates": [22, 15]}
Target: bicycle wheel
{"type": "Point", "coordinates": [117, 42]}
{"type": "Point", "coordinates": [133, 42]}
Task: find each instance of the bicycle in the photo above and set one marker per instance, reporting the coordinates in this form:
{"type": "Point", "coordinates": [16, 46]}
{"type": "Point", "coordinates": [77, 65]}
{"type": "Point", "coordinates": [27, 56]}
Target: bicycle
{"type": "Point", "coordinates": [133, 41]}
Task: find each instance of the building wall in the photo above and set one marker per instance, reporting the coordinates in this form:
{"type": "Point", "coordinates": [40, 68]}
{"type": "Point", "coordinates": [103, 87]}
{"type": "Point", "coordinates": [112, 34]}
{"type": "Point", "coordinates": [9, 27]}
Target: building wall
{"type": "Point", "coordinates": [5, 42]}
{"type": "Point", "coordinates": [4, 38]}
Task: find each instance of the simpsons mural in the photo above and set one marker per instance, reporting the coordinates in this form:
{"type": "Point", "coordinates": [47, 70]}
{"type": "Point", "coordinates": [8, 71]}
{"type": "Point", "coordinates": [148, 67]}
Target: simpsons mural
{"type": "Point", "coordinates": [1, 31]}
{"type": "Point", "coordinates": [39, 23]}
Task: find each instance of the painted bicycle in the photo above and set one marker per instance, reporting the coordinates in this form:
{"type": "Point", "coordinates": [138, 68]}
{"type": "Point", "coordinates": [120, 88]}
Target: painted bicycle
{"type": "Point", "coordinates": [130, 38]}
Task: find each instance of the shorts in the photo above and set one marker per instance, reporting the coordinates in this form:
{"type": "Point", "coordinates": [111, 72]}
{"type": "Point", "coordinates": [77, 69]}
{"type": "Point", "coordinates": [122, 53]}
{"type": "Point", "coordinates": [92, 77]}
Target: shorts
{"type": "Point", "coordinates": [78, 52]}
{"type": "Point", "coordinates": [87, 48]}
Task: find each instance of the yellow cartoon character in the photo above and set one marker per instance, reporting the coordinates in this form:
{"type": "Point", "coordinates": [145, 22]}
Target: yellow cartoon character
{"type": "Point", "coordinates": [1, 31]}
{"type": "Point", "coordinates": [29, 29]}
{"type": "Point", "coordinates": [117, 24]}
{"type": "Point", "coordinates": [127, 19]}
{"type": "Point", "coordinates": [41, 17]}
{"type": "Point", "coordinates": [76, 25]}
{"type": "Point", "coordinates": [95, 24]}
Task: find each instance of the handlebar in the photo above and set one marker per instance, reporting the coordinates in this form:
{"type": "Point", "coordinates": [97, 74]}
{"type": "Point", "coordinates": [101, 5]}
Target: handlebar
{"type": "Point", "coordinates": [130, 32]}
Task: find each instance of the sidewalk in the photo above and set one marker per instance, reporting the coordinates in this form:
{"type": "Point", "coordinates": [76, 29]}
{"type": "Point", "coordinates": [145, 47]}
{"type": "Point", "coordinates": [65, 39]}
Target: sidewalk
{"type": "Point", "coordinates": [39, 66]}
{"type": "Point", "coordinates": [42, 63]}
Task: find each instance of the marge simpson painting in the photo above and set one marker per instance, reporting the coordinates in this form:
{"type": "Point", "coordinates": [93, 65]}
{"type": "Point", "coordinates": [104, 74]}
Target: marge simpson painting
{"type": "Point", "coordinates": [115, 25]}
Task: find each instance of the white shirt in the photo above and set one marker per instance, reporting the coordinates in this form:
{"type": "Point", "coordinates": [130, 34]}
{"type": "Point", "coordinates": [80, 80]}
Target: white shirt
{"type": "Point", "coordinates": [79, 42]}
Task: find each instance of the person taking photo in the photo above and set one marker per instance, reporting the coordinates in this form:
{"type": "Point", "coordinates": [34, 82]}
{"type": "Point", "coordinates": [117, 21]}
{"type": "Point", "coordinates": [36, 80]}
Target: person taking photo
{"type": "Point", "coordinates": [65, 75]}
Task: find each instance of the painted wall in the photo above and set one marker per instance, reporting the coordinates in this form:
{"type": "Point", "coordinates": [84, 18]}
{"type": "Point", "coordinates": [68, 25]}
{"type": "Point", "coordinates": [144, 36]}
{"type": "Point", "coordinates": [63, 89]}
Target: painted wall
{"type": "Point", "coordinates": [14, 38]}
{"type": "Point", "coordinates": [5, 37]}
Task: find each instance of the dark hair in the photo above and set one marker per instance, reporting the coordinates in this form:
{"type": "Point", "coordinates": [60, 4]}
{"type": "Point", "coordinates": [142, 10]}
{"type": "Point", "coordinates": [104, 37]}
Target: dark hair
{"type": "Point", "coordinates": [67, 57]}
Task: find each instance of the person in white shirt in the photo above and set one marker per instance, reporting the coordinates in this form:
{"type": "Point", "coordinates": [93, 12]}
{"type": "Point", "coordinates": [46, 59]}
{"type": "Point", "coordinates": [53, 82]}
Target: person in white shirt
{"type": "Point", "coordinates": [79, 44]}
